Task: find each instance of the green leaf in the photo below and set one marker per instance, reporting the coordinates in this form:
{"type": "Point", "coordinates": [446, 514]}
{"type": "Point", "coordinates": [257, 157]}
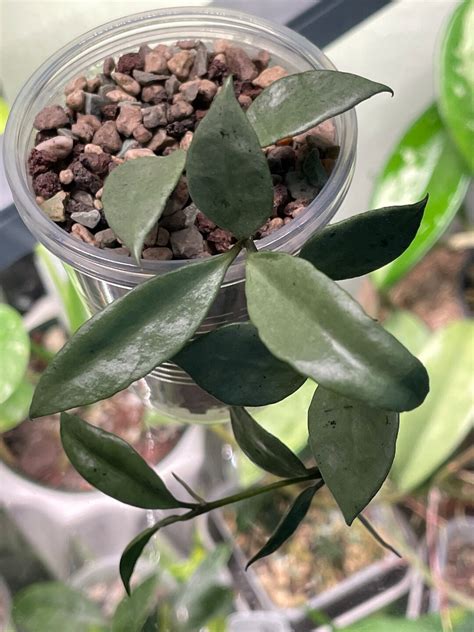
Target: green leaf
{"type": "Point", "coordinates": [307, 320]}
{"type": "Point", "coordinates": [130, 337]}
{"type": "Point", "coordinates": [234, 365]}
{"type": "Point", "coordinates": [425, 160]}
{"type": "Point", "coordinates": [14, 351]}
{"type": "Point", "coordinates": [228, 174]}
{"type": "Point", "coordinates": [429, 435]}
{"type": "Point", "coordinates": [288, 524]}
{"type": "Point", "coordinates": [353, 445]}
{"type": "Point", "coordinates": [15, 409]}
{"type": "Point", "coordinates": [314, 170]}
{"type": "Point", "coordinates": [408, 329]}
{"type": "Point", "coordinates": [280, 420]}
{"type": "Point", "coordinates": [298, 102]}
{"type": "Point", "coordinates": [135, 548]}
{"type": "Point", "coordinates": [263, 448]}
{"type": "Point", "coordinates": [364, 243]}
{"type": "Point", "coordinates": [53, 606]}
{"type": "Point", "coordinates": [112, 466]}
{"type": "Point", "coordinates": [203, 597]}
{"type": "Point", "coordinates": [132, 612]}
{"type": "Point", "coordinates": [456, 80]}
{"type": "Point", "coordinates": [135, 194]}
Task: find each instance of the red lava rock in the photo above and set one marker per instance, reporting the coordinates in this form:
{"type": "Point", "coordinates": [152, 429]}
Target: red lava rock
{"type": "Point", "coordinates": [108, 138]}
{"type": "Point", "coordinates": [46, 184]}
{"type": "Point", "coordinates": [217, 69]}
{"type": "Point", "coordinates": [38, 162]}
{"type": "Point", "coordinates": [240, 64]}
{"type": "Point", "coordinates": [84, 179]}
{"type": "Point", "coordinates": [281, 159]}
{"type": "Point", "coordinates": [205, 224]}
{"type": "Point", "coordinates": [221, 239]}
{"type": "Point", "coordinates": [280, 199]}
{"type": "Point", "coordinates": [129, 62]}
{"type": "Point", "coordinates": [97, 163]}
{"type": "Point", "coordinates": [110, 111]}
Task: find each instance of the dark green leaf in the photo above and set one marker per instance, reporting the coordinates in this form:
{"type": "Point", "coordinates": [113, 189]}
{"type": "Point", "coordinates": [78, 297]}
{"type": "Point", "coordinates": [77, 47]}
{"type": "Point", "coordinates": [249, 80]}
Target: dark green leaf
{"type": "Point", "coordinates": [296, 103]}
{"type": "Point", "coordinates": [234, 365]}
{"type": "Point", "coordinates": [15, 409]}
{"type": "Point", "coordinates": [425, 161]}
{"type": "Point", "coordinates": [52, 607]}
{"type": "Point", "coordinates": [14, 351]}
{"type": "Point", "coordinates": [456, 74]}
{"type": "Point", "coordinates": [426, 439]}
{"type": "Point", "coordinates": [135, 548]}
{"type": "Point", "coordinates": [203, 597]}
{"type": "Point", "coordinates": [307, 320]}
{"type": "Point", "coordinates": [364, 243]}
{"type": "Point", "coordinates": [112, 466]}
{"type": "Point", "coordinates": [263, 448]}
{"type": "Point", "coordinates": [228, 175]}
{"type": "Point", "coordinates": [288, 524]}
{"type": "Point", "coordinates": [354, 446]}
{"type": "Point", "coordinates": [132, 612]}
{"type": "Point", "coordinates": [135, 194]}
{"type": "Point", "coordinates": [130, 337]}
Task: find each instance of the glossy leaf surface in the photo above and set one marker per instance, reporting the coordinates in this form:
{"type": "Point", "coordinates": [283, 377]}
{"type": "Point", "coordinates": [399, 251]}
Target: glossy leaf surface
{"type": "Point", "coordinates": [228, 175]}
{"type": "Point", "coordinates": [263, 448]}
{"type": "Point", "coordinates": [135, 195]}
{"type": "Point", "coordinates": [429, 435]}
{"type": "Point", "coordinates": [130, 337]}
{"type": "Point", "coordinates": [234, 365]}
{"type": "Point", "coordinates": [354, 446]}
{"type": "Point", "coordinates": [54, 606]}
{"type": "Point", "coordinates": [331, 339]}
{"type": "Point", "coordinates": [365, 242]}
{"type": "Point", "coordinates": [296, 103]}
{"type": "Point", "coordinates": [132, 612]}
{"type": "Point", "coordinates": [456, 80]}
{"type": "Point", "coordinates": [288, 524]}
{"type": "Point", "coordinates": [14, 351]}
{"type": "Point", "coordinates": [424, 161]}
{"type": "Point", "coordinates": [112, 466]}
{"type": "Point", "coordinates": [15, 409]}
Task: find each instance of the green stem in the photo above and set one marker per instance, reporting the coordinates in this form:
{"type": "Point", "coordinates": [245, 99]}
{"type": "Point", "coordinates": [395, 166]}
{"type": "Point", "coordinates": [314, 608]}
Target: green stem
{"type": "Point", "coordinates": [198, 510]}
{"type": "Point", "coordinates": [250, 245]}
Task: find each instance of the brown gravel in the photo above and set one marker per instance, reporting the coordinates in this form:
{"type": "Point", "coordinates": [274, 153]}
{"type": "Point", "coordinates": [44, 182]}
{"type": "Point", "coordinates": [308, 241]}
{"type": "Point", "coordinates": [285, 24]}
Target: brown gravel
{"type": "Point", "coordinates": [150, 102]}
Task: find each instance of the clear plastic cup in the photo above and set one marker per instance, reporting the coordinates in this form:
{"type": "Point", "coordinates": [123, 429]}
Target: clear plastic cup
{"type": "Point", "coordinates": [102, 276]}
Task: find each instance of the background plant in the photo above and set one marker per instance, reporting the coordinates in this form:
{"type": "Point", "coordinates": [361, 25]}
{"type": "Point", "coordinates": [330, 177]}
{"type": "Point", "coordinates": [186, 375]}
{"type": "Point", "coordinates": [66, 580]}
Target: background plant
{"type": "Point", "coordinates": [365, 376]}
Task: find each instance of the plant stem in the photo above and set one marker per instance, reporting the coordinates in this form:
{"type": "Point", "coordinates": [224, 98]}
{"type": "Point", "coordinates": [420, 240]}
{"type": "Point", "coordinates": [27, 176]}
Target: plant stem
{"type": "Point", "coordinates": [203, 508]}
{"type": "Point", "coordinates": [250, 245]}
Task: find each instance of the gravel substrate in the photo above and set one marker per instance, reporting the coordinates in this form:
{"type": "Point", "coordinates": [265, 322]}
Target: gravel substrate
{"type": "Point", "coordinates": [147, 103]}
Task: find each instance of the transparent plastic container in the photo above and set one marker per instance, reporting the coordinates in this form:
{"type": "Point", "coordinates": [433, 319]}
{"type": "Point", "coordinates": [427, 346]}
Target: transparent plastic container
{"type": "Point", "coordinates": [102, 276]}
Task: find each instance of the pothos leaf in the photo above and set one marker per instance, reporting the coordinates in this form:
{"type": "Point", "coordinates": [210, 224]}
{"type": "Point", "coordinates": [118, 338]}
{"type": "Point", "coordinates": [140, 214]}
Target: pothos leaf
{"type": "Point", "coordinates": [456, 81]}
{"type": "Point", "coordinates": [425, 160]}
{"type": "Point", "coordinates": [354, 447]}
{"type": "Point", "coordinates": [364, 243]}
{"type": "Point", "coordinates": [228, 175]}
{"type": "Point", "coordinates": [234, 365]}
{"type": "Point", "coordinates": [14, 351]}
{"type": "Point", "coordinates": [331, 339]}
{"type": "Point", "coordinates": [135, 194]}
{"type": "Point", "coordinates": [263, 448]}
{"type": "Point", "coordinates": [130, 337]}
{"type": "Point", "coordinates": [288, 524]}
{"type": "Point", "coordinates": [15, 409]}
{"type": "Point", "coordinates": [296, 103]}
{"type": "Point", "coordinates": [112, 466]}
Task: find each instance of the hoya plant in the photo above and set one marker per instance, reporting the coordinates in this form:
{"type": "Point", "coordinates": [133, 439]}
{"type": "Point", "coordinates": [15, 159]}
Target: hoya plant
{"type": "Point", "coordinates": [301, 326]}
